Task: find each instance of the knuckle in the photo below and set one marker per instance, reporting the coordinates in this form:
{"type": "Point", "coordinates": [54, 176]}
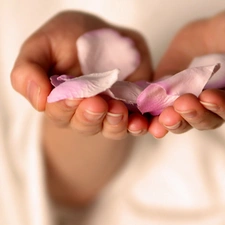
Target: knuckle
{"type": "Point", "coordinates": [207, 124]}
{"type": "Point", "coordinates": [58, 120]}
{"type": "Point", "coordinates": [51, 115]}
{"type": "Point", "coordinates": [15, 78]}
{"type": "Point", "coordinates": [85, 129]}
{"type": "Point", "coordinates": [115, 135]}
{"type": "Point", "coordinates": [184, 127]}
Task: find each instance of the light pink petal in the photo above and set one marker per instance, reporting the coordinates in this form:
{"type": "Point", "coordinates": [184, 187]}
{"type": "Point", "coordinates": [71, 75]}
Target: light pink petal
{"type": "Point", "coordinates": [218, 79]}
{"type": "Point", "coordinates": [105, 49]}
{"type": "Point", "coordinates": [191, 80]}
{"type": "Point", "coordinates": [162, 94]}
{"type": "Point", "coordinates": [84, 86]}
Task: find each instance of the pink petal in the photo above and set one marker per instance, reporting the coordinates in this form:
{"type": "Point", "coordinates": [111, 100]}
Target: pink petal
{"type": "Point", "coordinates": [83, 86]}
{"type": "Point", "coordinates": [124, 91]}
{"type": "Point", "coordinates": [218, 79]}
{"type": "Point", "coordinates": [57, 80]}
{"type": "Point", "coordinates": [105, 49]}
{"type": "Point", "coordinates": [162, 94]}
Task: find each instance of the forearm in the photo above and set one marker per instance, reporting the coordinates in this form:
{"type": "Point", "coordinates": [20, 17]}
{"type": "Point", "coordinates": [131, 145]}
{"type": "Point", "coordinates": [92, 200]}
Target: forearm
{"type": "Point", "coordinates": [79, 166]}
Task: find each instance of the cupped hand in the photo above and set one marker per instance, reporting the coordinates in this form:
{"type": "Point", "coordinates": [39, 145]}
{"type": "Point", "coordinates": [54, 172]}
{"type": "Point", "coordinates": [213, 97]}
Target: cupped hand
{"type": "Point", "coordinates": [208, 110]}
{"type": "Point", "coordinates": [52, 50]}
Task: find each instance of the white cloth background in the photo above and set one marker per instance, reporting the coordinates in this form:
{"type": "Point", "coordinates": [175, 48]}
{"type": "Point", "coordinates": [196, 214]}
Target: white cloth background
{"type": "Point", "coordinates": [177, 180]}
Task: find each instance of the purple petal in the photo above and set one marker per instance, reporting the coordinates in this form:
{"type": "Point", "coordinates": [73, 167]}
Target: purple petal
{"type": "Point", "coordinates": [142, 83]}
{"type": "Point", "coordinates": [218, 79]}
{"type": "Point", "coordinates": [57, 80]}
{"type": "Point", "coordinates": [84, 86]}
{"type": "Point", "coordinates": [105, 49]}
{"type": "Point", "coordinates": [162, 94]}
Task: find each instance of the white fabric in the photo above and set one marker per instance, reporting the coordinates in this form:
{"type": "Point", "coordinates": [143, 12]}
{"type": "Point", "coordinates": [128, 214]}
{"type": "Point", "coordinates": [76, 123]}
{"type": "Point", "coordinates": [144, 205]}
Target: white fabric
{"type": "Point", "coordinates": [177, 180]}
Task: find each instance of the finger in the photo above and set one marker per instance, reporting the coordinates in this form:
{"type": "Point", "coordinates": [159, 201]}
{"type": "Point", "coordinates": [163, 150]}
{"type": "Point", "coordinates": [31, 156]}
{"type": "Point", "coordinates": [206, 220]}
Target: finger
{"type": "Point", "coordinates": [137, 124]}
{"type": "Point", "coordinates": [189, 107]}
{"type": "Point", "coordinates": [156, 129]}
{"type": "Point", "coordinates": [214, 100]}
{"type": "Point", "coordinates": [89, 116]}
{"type": "Point", "coordinates": [173, 121]}
{"type": "Point", "coordinates": [29, 76]}
{"type": "Point", "coordinates": [49, 50]}
{"type": "Point", "coordinates": [116, 121]}
{"type": "Point", "coordinates": [61, 112]}
{"type": "Point", "coordinates": [52, 50]}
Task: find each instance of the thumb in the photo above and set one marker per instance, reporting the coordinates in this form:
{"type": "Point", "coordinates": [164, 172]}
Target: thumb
{"type": "Point", "coordinates": [195, 39]}
{"type": "Point", "coordinates": [28, 76]}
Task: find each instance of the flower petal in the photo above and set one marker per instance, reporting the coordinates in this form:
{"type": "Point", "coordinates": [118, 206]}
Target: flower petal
{"type": "Point", "coordinates": [105, 49]}
{"type": "Point", "coordinates": [124, 91]}
{"type": "Point", "coordinates": [162, 94]}
{"type": "Point", "coordinates": [218, 79]}
{"type": "Point", "coordinates": [83, 86]}
{"type": "Point", "coordinates": [57, 80]}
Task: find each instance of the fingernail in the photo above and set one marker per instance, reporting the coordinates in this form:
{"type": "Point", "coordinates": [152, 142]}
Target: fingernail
{"type": "Point", "coordinates": [33, 93]}
{"type": "Point", "coordinates": [93, 116]}
{"type": "Point", "coordinates": [188, 114]}
{"type": "Point", "coordinates": [72, 102]}
{"type": "Point", "coordinates": [210, 106]}
{"type": "Point", "coordinates": [137, 132]}
{"type": "Point", "coordinates": [114, 119]}
{"type": "Point", "coordinates": [173, 127]}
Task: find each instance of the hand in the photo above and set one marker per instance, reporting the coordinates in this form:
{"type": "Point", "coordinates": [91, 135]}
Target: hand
{"type": "Point", "coordinates": [52, 50]}
{"type": "Point", "coordinates": [208, 110]}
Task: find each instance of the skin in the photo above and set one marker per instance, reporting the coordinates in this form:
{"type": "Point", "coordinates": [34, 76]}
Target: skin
{"type": "Point", "coordinates": [208, 110]}
{"type": "Point", "coordinates": [90, 130]}
{"type": "Point", "coordinates": [86, 141]}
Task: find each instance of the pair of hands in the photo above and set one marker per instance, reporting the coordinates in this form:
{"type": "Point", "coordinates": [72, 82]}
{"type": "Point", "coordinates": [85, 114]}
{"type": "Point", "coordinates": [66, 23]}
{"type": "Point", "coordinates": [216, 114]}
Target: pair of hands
{"type": "Point", "coordinates": [52, 50]}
